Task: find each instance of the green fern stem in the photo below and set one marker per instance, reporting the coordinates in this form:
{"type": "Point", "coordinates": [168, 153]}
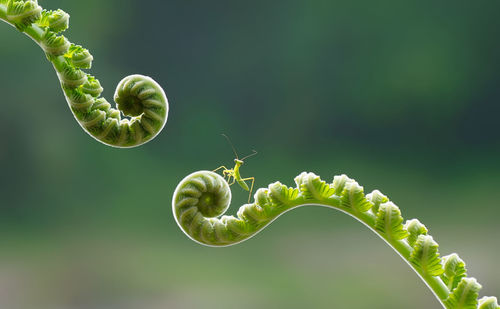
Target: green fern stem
{"type": "Point", "coordinates": [138, 98]}
{"type": "Point", "coordinates": [201, 199]}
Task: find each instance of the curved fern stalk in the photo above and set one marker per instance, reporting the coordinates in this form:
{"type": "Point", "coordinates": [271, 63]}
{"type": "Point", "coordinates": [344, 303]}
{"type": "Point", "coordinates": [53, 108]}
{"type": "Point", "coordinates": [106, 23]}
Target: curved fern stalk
{"type": "Point", "coordinates": [203, 196]}
{"type": "Point", "coordinates": [138, 97]}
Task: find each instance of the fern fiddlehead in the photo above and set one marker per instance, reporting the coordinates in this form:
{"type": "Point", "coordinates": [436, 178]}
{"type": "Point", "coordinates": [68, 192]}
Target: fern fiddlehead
{"type": "Point", "coordinates": [137, 97]}
{"type": "Point", "coordinates": [201, 198]}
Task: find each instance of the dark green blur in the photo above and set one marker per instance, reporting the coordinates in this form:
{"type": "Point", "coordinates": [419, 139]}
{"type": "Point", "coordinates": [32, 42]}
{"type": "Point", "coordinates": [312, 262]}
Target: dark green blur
{"type": "Point", "coordinates": [402, 96]}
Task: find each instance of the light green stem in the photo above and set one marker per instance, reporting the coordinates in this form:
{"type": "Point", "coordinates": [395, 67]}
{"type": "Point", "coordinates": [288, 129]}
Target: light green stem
{"type": "Point", "coordinates": [202, 197]}
{"type": "Point", "coordinates": [137, 97]}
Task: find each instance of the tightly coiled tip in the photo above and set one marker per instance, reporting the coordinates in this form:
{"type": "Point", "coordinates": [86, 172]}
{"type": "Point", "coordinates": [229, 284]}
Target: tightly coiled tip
{"type": "Point", "coordinates": [139, 98]}
{"type": "Point", "coordinates": [144, 101]}
{"type": "Point", "coordinates": [200, 195]}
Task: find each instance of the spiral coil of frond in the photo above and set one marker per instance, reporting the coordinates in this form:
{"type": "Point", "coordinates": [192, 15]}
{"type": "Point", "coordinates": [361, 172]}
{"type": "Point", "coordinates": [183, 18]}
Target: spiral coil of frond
{"type": "Point", "coordinates": [137, 97]}
{"type": "Point", "coordinates": [206, 224]}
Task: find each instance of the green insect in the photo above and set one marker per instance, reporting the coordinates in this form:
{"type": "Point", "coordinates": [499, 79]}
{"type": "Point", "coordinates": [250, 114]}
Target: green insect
{"type": "Point", "coordinates": [233, 174]}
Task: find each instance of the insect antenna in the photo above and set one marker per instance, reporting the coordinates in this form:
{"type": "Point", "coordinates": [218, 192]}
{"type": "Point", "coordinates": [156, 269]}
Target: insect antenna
{"type": "Point", "coordinates": [232, 146]}
{"type": "Point", "coordinates": [254, 152]}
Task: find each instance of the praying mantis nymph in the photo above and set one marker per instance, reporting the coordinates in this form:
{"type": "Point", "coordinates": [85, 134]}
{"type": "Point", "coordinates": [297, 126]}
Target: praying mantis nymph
{"type": "Point", "coordinates": [233, 175]}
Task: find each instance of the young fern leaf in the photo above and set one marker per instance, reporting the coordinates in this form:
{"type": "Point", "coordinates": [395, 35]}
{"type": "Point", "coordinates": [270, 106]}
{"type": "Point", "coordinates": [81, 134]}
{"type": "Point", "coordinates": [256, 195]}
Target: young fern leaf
{"type": "Point", "coordinates": [137, 97]}
{"type": "Point", "coordinates": [464, 296]}
{"type": "Point", "coordinates": [389, 222]}
{"type": "Point", "coordinates": [312, 187]}
{"type": "Point", "coordinates": [281, 195]}
{"type": "Point", "coordinates": [351, 194]}
{"type": "Point", "coordinates": [55, 21]}
{"type": "Point", "coordinates": [339, 183]}
{"type": "Point", "coordinates": [22, 13]}
{"type": "Point", "coordinates": [454, 270]}
{"type": "Point", "coordinates": [202, 197]}
{"type": "Point", "coordinates": [488, 303]}
{"type": "Point", "coordinates": [353, 197]}
{"type": "Point", "coordinates": [415, 229]}
{"type": "Point", "coordinates": [376, 198]}
{"type": "Point", "coordinates": [425, 256]}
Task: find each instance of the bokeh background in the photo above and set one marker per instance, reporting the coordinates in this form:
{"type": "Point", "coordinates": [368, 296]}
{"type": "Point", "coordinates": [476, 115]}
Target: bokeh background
{"type": "Point", "coordinates": [400, 95]}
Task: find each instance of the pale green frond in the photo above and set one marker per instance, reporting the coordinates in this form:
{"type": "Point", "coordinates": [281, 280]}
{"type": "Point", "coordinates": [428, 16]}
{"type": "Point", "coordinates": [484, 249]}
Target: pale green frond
{"type": "Point", "coordinates": [488, 303]}
{"type": "Point", "coordinates": [425, 256]}
{"type": "Point", "coordinates": [454, 270]}
{"type": "Point", "coordinates": [464, 296]}
{"type": "Point", "coordinates": [23, 13]}
{"type": "Point", "coordinates": [353, 197]}
{"type": "Point", "coordinates": [339, 183]}
{"type": "Point", "coordinates": [312, 187]}
{"type": "Point", "coordinates": [279, 194]}
{"type": "Point", "coordinates": [196, 199]}
{"type": "Point", "coordinates": [93, 87]}
{"type": "Point", "coordinates": [253, 213]}
{"type": "Point", "coordinates": [53, 44]}
{"type": "Point", "coordinates": [56, 21]}
{"type": "Point", "coordinates": [389, 221]}
{"type": "Point", "coordinates": [414, 229]}
{"type": "Point", "coordinates": [261, 198]}
{"type": "Point", "coordinates": [139, 98]}
{"type": "Point", "coordinates": [79, 57]}
{"type": "Point", "coordinates": [376, 198]}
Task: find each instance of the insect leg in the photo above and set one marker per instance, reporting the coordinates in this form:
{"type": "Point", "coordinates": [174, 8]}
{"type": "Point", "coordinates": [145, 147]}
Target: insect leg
{"type": "Point", "coordinates": [251, 186]}
{"type": "Point", "coordinates": [222, 166]}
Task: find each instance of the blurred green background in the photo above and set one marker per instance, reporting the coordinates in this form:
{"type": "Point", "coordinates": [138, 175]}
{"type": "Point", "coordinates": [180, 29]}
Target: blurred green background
{"type": "Point", "coordinates": [400, 95]}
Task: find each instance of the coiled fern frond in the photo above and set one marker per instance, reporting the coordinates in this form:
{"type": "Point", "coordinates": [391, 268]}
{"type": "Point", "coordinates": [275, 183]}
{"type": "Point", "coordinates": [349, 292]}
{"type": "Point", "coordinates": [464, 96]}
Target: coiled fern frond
{"type": "Point", "coordinates": [201, 199]}
{"type": "Point", "coordinates": [137, 97]}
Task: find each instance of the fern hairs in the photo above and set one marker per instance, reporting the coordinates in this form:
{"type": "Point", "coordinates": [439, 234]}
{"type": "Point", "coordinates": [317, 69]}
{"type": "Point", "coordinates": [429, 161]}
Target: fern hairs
{"type": "Point", "coordinates": [137, 97]}
{"type": "Point", "coordinates": [202, 197]}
